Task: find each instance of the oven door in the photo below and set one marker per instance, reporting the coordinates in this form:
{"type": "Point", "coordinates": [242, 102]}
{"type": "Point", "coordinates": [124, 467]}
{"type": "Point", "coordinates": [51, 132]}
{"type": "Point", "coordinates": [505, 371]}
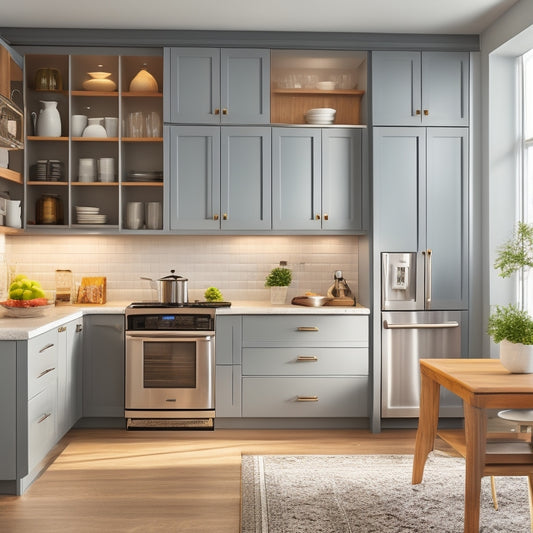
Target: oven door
{"type": "Point", "coordinates": [170, 372]}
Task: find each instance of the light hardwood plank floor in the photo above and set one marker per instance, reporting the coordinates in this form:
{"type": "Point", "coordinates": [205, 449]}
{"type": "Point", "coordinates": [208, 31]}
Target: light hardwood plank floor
{"type": "Point", "coordinates": [165, 481]}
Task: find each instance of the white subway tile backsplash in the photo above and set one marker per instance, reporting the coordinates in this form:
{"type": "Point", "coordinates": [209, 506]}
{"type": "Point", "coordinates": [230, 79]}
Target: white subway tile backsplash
{"type": "Point", "coordinates": [237, 265]}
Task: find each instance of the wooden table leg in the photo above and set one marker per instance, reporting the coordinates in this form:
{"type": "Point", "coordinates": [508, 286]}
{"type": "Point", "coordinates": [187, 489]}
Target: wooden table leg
{"type": "Point", "coordinates": [427, 425]}
{"type": "Point", "coordinates": [476, 437]}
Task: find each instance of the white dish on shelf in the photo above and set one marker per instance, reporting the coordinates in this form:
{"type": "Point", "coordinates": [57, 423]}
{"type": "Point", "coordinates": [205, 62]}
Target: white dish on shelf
{"type": "Point", "coordinates": [87, 209]}
{"type": "Point", "coordinates": [326, 85]}
{"type": "Point", "coordinates": [94, 130]}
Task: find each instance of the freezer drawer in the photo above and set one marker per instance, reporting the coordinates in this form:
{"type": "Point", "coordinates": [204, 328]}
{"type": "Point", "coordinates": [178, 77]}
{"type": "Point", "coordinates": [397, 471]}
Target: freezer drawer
{"type": "Point", "coordinates": [407, 337]}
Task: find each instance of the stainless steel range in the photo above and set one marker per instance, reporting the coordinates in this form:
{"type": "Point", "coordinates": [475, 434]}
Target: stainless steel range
{"type": "Point", "coordinates": [170, 365]}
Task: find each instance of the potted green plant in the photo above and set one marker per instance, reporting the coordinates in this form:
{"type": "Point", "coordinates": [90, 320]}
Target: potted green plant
{"type": "Point", "coordinates": [278, 280]}
{"type": "Point", "coordinates": [510, 326]}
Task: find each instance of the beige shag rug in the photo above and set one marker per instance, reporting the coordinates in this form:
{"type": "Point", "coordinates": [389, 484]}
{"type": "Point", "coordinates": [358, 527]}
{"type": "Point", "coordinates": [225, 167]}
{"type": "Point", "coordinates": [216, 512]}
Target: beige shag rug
{"type": "Point", "coordinates": [370, 493]}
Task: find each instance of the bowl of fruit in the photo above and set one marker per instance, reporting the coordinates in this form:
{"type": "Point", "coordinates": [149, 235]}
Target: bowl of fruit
{"type": "Point", "coordinates": [26, 298]}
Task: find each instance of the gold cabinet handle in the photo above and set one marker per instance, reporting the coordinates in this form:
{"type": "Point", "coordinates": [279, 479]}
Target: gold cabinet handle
{"type": "Point", "coordinates": [44, 417]}
{"type": "Point", "coordinates": [426, 112]}
{"type": "Point", "coordinates": [417, 112]}
{"type": "Point", "coordinates": [44, 348]}
{"type": "Point", "coordinates": [326, 216]}
{"type": "Point", "coordinates": [307, 398]}
{"type": "Point", "coordinates": [317, 217]}
{"type": "Point", "coordinates": [307, 328]}
{"type": "Point", "coordinates": [61, 329]}
{"type": "Point", "coordinates": [44, 372]}
{"type": "Point", "coordinates": [217, 111]}
{"type": "Point", "coordinates": [307, 358]}
{"type": "Point", "coordinates": [225, 216]}
{"type": "Point", "coordinates": [224, 111]}
{"type": "Point", "coordinates": [215, 217]}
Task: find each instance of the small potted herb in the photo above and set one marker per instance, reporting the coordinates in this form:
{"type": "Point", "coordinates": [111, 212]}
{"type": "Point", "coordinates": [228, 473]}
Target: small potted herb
{"type": "Point", "coordinates": [510, 326]}
{"type": "Point", "coordinates": [278, 280]}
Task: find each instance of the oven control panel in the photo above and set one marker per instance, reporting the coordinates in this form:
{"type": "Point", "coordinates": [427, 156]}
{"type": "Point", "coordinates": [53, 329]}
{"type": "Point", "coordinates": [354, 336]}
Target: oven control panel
{"type": "Point", "coordinates": [170, 322]}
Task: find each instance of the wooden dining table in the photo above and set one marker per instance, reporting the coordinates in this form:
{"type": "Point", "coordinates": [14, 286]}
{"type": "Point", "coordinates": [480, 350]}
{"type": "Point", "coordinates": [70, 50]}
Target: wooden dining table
{"type": "Point", "coordinates": [482, 384]}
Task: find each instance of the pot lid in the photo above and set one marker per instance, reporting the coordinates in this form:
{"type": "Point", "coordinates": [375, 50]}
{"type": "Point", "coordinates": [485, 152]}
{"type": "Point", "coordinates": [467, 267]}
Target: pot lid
{"type": "Point", "coordinates": [173, 277]}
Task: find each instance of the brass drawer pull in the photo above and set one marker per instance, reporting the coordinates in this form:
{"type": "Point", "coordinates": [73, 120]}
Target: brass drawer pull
{"type": "Point", "coordinates": [217, 111]}
{"type": "Point", "coordinates": [44, 417]}
{"type": "Point", "coordinates": [44, 348]}
{"type": "Point", "coordinates": [307, 358]}
{"type": "Point", "coordinates": [61, 329]}
{"type": "Point", "coordinates": [426, 112]}
{"type": "Point", "coordinates": [307, 398]}
{"type": "Point", "coordinates": [224, 111]}
{"type": "Point", "coordinates": [307, 328]}
{"type": "Point", "coordinates": [417, 112]}
{"type": "Point", "coordinates": [44, 372]}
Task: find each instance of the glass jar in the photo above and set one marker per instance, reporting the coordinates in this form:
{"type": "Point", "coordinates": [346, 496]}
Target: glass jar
{"type": "Point", "coordinates": [49, 209]}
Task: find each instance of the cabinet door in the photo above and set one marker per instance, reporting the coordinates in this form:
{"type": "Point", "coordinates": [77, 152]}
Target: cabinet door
{"type": "Point", "coordinates": [103, 366]}
{"type": "Point", "coordinates": [194, 177]}
{"type": "Point", "coordinates": [194, 84]}
{"type": "Point", "coordinates": [296, 179]}
{"type": "Point", "coordinates": [245, 86]}
{"type": "Point", "coordinates": [399, 169]}
{"type": "Point", "coordinates": [445, 88]}
{"type": "Point", "coordinates": [446, 227]}
{"type": "Point", "coordinates": [245, 178]}
{"type": "Point", "coordinates": [396, 88]}
{"type": "Point", "coordinates": [342, 179]}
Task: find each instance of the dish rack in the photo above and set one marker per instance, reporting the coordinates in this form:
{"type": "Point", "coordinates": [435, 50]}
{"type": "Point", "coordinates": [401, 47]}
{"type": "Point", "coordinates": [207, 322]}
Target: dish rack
{"type": "Point", "coordinates": [11, 121]}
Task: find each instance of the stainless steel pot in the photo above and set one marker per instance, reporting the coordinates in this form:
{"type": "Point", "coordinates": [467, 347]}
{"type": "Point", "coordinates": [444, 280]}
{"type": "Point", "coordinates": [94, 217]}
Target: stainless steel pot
{"type": "Point", "coordinates": [171, 289]}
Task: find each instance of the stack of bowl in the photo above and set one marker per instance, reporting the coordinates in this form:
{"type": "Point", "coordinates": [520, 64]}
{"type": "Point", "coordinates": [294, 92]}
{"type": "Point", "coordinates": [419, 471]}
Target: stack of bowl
{"type": "Point", "coordinates": [320, 115]}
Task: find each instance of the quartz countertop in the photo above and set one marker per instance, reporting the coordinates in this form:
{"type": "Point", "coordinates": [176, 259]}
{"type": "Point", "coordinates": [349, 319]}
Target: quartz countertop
{"type": "Point", "coordinates": [26, 328]}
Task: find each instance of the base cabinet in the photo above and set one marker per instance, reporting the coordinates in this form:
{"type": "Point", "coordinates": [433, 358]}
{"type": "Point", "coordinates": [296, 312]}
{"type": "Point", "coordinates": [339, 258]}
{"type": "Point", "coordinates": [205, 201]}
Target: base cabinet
{"type": "Point", "coordinates": [297, 366]}
{"type": "Point", "coordinates": [103, 366]}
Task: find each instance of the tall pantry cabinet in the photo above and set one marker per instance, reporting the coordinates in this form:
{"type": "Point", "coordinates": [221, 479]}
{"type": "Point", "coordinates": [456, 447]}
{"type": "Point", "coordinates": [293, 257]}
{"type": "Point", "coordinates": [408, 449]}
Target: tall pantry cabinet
{"type": "Point", "coordinates": [420, 154]}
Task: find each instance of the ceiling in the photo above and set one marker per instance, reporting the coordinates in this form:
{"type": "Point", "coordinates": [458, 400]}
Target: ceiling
{"type": "Point", "coordinates": [360, 16]}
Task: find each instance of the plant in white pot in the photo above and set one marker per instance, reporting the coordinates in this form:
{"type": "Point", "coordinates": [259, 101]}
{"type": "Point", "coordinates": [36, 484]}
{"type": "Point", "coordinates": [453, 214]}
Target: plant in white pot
{"type": "Point", "coordinates": [510, 326]}
{"type": "Point", "coordinates": [278, 280]}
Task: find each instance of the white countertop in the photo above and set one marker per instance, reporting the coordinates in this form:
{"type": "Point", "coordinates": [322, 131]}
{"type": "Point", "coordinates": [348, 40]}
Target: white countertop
{"type": "Point", "coordinates": [26, 328]}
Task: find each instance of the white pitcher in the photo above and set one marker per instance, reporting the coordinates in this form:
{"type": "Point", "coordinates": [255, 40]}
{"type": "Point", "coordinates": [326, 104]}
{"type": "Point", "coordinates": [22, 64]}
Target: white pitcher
{"type": "Point", "coordinates": [49, 121]}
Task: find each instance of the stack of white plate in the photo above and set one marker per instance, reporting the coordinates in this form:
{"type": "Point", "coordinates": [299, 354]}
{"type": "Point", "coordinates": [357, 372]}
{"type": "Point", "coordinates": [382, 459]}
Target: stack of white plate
{"type": "Point", "coordinates": [90, 215]}
{"type": "Point", "coordinates": [320, 115]}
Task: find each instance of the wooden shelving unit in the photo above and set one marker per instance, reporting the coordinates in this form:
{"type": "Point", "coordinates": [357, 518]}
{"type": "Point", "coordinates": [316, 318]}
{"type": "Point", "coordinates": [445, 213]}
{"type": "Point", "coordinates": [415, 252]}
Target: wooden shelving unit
{"type": "Point", "coordinates": [11, 175]}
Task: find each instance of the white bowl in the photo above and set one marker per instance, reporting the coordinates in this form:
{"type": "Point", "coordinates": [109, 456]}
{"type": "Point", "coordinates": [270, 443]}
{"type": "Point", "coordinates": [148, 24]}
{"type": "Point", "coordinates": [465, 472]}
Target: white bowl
{"type": "Point", "coordinates": [94, 130]}
{"type": "Point", "coordinates": [321, 111]}
{"type": "Point", "coordinates": [326, 85]}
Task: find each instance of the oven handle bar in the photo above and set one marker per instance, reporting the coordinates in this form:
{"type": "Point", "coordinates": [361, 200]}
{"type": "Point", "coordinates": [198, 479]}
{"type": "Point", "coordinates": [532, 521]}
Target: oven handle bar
{"type": "Point", "coordinates": [169, 335]}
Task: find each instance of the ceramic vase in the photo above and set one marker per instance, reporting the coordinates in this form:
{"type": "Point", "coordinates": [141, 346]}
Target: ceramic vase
{"type": "Point", "coordinates": [49, 121]}
{"type": "Point", "coordinates": [517, 358]}
{"type": "Point", "coordinates": [144, 82]}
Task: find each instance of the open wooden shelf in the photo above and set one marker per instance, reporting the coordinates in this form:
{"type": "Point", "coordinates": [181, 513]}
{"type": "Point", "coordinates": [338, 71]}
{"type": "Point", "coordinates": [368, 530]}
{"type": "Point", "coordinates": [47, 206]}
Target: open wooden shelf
{"type": "Point", "coordinates": [11, 175]}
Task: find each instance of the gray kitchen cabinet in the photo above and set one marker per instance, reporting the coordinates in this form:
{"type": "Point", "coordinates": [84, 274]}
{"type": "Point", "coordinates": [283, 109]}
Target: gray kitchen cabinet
{"type": "Point", "coordinates": [103, 366]}
{"type": "Point", "coordinates": [8, 413]}
{"type": "Point", "coordinates": [228, 366]}
{"type": "Point", "coordinates": [217, 86]}
{"type": "Point", "coordinates": [220, 178]}
{"type": "Point", "coordinates": [420, 88]}
{"type": "Point", "coordinates": [69, 341]}
{"type": "Point", "coordinates": [421, 202]}
{"type": "Point", "coordinates": [305, 366]}
{"type": "Point", "coordinates": [317, 179]}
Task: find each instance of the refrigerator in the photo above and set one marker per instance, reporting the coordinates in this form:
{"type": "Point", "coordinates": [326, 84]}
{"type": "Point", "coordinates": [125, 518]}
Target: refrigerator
{"type": "Point", "coordinates": [412, 330]}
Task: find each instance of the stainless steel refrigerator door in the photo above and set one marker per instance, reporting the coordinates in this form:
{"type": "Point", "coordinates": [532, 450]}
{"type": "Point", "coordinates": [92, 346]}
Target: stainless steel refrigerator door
{"type": "Point", "coordinates": [407, 337]}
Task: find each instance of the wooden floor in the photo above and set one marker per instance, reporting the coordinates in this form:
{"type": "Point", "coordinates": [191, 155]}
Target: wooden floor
{"type": "Point", "coordinates": [165, 481]}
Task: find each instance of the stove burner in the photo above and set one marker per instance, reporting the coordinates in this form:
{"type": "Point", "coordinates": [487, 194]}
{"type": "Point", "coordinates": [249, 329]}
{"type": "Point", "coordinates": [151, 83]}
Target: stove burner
{"type": "Point", "coordinates": [189, 305]}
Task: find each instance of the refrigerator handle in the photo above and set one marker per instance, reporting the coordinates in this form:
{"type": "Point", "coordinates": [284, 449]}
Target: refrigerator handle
{"type": "Point", "coordinates": [441, 325]}
{"type": "Point", "coordinates": [427, 277]}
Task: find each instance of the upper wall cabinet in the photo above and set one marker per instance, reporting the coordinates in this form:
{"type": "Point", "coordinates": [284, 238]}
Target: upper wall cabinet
{"type": "Point", "coordinates": [217, 86]}
{"type": "Point", "coordinates": [420, 88]}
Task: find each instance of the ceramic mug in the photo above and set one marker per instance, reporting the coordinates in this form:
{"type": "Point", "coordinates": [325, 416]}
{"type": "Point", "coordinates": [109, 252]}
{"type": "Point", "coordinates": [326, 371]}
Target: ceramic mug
{"type": "Point", "coordinates": [79, 123]}
{"type": "Point", "coordinates": [154, 215]}
{"type": "Point", "coordinates": [106, 169]}
{"type": "Point", "coordinates": [134, 215]}
{"type": "Point", "coordinates": [87, 169]}
{"type": "Point", "coordinates": [111, 126]}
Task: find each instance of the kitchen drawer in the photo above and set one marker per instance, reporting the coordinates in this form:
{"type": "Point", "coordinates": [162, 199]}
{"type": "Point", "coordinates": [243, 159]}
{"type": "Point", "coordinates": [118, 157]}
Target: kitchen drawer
{"type": "Point", "coordinates": [305, 397]}
{"type": "Point", "coordinates": [42, 361]}
{"type": "Point", "coordinates": [42, 415]}
{"type": "Point", "coordinates": [305, 330]}
{"type": "Point", "coordinates": [305, 362]}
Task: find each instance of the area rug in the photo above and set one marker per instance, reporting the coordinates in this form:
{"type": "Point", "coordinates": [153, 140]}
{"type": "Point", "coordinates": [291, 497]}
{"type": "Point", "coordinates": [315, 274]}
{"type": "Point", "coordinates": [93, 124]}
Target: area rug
{"type": "Point", "coordinates": [370, 493]}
